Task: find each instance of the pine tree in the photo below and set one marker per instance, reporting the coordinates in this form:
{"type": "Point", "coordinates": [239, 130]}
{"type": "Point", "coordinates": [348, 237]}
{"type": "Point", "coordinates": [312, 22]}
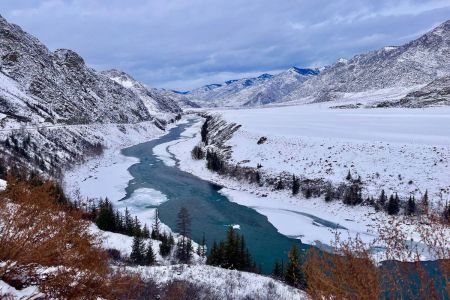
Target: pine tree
{"type": "Point", "coordinates": [156, 227]}
{"type": "Point", "coordinates": [382, 200]}
{"type": "Point", "coordinates": [213, 257]}
{"type": "Point", "coordinates": [149, 255]}
{"type": "Point", "coordinates": [184, 245]}
{"type": "Point", "coordinates": [136, 227]}
{"type": "Point", "coordinates": [411, 207]}
{"type": "Point", "coordinates": [393, 206]}
{"type": "Point", "coordinates": [425, 203]}
{"type": "Point", "coordinates": [277, 270]}
{"type": "Point", "coordinates": [295, 185]}
{"type": "Point", "coordinates": [293, 274]}
{"type": "Point", "coordinates": [279, 185]}
{"type": "Point", "coordinates": [166, 244]}
{"type": "Point", "coordinates": [349, 175]}
{"type": "Point", "coordinates": [128, 220]}
{"type": "Point", "coordinates": [137, 251]}
{"type": "Point", "coordinates": [145, 232]}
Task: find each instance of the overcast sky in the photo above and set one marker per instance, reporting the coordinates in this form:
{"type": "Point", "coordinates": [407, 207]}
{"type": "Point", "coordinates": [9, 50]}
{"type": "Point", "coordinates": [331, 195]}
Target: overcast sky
{"type": "Point", "coordinates": [182, 44]}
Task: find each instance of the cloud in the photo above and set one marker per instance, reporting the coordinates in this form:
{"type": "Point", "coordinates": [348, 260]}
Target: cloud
{"type": "Point", "coordinates": [184, 44]}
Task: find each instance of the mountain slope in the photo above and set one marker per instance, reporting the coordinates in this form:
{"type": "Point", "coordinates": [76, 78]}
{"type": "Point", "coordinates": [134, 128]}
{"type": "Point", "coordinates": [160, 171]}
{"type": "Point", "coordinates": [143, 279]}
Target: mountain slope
{"type": "Point", "coordinates": [416, 63]}
{"type": "Point", "coordinates": [153, 100]}
{"type": "Point", "coordinates": [433, 94]}
{"type": "Point", "coordinates": [213, 95]}
{"type": "Point", "coordinates": [55, 111]}
{"type": "Point", "coordinates": [251, 91]}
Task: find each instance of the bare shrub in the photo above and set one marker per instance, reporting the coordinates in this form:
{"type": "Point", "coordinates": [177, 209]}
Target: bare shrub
{"type": "Point", "coordinates": [352, 272]}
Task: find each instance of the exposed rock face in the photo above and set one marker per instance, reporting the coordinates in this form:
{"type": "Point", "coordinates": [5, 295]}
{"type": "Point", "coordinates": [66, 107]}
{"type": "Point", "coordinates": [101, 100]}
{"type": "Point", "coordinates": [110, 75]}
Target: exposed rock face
{"type": "Point", "coordinates": [437, 93]}
{"type": "Point", "coordinates": [55, 111]}
{"type": "Point", "coordinates": [153, 99]}
{"type": "Point", "coordinates": [64, 88]}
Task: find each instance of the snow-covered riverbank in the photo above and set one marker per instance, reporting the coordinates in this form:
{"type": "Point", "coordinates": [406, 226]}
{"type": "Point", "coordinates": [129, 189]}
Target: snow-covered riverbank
{"type": "Point", "coordinates": [292, 216]}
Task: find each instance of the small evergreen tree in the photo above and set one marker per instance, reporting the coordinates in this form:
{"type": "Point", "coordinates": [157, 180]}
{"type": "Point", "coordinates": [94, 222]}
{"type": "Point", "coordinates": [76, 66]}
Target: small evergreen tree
{"type": "Point", "coordinates": [184, 245]}
{"type": "Point", "coordinates": [279, 186]}
{"type": "Point", "coordinates": [145, 232]}
{"type": "Point", "coordinates": [295, 185]}
{"type": "Point", "coordinates": [411, 206]}
{"type": "Point", "coordinates": [166, 244]}
{"type": "Point", "coordinates": [393, 206]}
{"type": "Point", "coordinates": [277, 270]}
{"type": "Point", "coordinates": [382, 201]}
{"type": "Point", "coordinates": [293, 275]}
{"type": "Point", "coordinates": [137, 251]}
{"type": "Point", "coordinates": [149, 255]}
{"type": "Point", "coordinates": [349, 175]}
{"type": "Point", "coordinates": [425, 203]}
{"type": "Point", "coordinates": [156, 227]}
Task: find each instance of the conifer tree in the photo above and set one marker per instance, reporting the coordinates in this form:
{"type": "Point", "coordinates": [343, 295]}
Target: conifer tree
{"type": "Point", "coordinates": [145, 232]}
{"type": "Point", "coordinates": [349, 175]}
{"type": "Point", "coordinates": [293, 275]}
{"type": "Point", "coordinates": [166, 244]}
{"type": "Point", "coordinates": [136, 227]}
{"type": "Point", "coordinates": [137, 251]}
{"type": "Point", "coordinates": [295, 185]}
{"type": "Point", "coordinates": [277, 269]}
{"type": "Point", "coordinates": [425, 203]}
{"type": "Point", "coordinates": [156, 227]}
{"type": "Point", "coordinates": [184, 245]}
{"type": "Point", "coordinates": [382, 200]}
{"type": "Point", "coordinates": [393, 206]}
{"type": "Point", "coordinates": [128, 220]}
{"type": "Point", "coordinates": [149, 255]}
{"type": "Point", "coordinates": [279, 185]}
{"type": "Point", "coordinates": [411, 206]}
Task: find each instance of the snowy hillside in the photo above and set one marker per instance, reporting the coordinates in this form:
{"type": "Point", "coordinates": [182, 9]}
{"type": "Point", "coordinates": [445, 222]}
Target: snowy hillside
{"type": "Point", "coordinates": [434, 94]}
{"type": "Point", "coordinates": [154, 101]}
{"type": "Point", "coordinates": [400, 150]}
{"type": "Point", "coordinates": [251, 91]}
{"type": "Point", "coordinates": [56, 111]}
{"type": "Point", "coordinates": [417, 62]}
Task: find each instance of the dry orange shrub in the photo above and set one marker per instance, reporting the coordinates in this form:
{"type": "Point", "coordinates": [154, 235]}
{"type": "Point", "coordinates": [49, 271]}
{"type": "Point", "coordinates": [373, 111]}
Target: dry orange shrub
{"type": "Point", "coordinates": [354, 274]}
{"type": "Point", "coordinates": [37, 232]}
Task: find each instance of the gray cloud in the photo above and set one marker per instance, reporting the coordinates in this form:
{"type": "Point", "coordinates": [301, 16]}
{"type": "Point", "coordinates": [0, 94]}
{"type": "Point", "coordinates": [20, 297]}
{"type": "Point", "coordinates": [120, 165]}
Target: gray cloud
{"type": "Point", "coordinates": [184, 44]}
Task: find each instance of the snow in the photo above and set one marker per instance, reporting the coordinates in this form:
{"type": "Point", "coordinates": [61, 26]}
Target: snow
{"type": "Point", "coordinates": [307, 219]}
{"type": "Point", "coordinates": [400, 150]}
{"type": "Point", "coordinates": [10, 292]}
{"type": "Point", "coordinates": [227, 284]}
{"type": "Point", "coordinates": [2, 184]}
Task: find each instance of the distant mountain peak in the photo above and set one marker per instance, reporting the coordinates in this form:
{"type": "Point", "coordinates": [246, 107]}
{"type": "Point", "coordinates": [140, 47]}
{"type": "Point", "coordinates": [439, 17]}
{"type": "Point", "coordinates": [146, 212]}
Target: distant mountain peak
{"type": "Point", "coordinates": [304, 71]}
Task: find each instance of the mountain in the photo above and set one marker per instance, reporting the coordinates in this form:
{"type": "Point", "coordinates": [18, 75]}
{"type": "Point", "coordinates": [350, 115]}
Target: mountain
{"type": "Point", "coordinates": [55, 110]}
{"type": "Point", "coordinates": [212, 95]}
{"type": "Point", "coordinates": [180, 98]}
{"type": "Point", "coordinates": [153, 99]}
{"type": "Point", "coordinates": [433, 94]}
{"type": "Point", "coordinates": [404, 67]}
{"type": "Point", "coordinates": [263, 89]}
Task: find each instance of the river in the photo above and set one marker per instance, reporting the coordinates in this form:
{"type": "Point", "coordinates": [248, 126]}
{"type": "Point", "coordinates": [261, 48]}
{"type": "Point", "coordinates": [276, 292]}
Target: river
{"type": "Point", "coordinates": [211, 212]}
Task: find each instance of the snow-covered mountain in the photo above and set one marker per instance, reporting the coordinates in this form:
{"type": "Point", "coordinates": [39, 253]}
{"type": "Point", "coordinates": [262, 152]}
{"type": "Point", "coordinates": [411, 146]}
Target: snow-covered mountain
{"type": "Point", "coordinates": [153, 99]}
{"type": "Point", "coordinates": [263, 89]}
{"type": "Point", "coordinates": [402, 69]}
{"type": "Point", "coordinates": [55, 110]}
{"type": "Point", "coordinates": [61, 87]}
{"type": "Point", "coordinates": [434, 94]}
{"type": "Point", "coordinates": [416, 63]}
